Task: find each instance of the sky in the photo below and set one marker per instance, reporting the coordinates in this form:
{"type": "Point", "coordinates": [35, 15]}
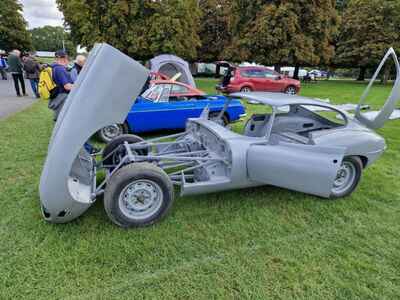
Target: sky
{"type": "Point", "coordinates": [39, 13]}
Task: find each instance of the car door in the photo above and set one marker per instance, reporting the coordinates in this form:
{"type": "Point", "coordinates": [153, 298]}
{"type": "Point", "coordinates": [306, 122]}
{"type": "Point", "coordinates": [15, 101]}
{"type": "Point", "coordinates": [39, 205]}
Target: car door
{"type": "Point", "coordinates": [184, 105]}
{"type": "Point", "coordinates": [309, 169]}
{"type": "Point", "coordinates": [273, 81]}
{"type": "Point", "coordinates": [260, 83]}
{"type": "Point", "coordinates": [375, 121]}
{"type": "Point", "coordinates": [157, 111]}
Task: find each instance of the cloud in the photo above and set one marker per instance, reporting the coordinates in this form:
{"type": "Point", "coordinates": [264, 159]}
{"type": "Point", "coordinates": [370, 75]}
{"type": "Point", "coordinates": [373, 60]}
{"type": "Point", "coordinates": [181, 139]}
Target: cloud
{"type": "Point", "coordinates": [41, 12]}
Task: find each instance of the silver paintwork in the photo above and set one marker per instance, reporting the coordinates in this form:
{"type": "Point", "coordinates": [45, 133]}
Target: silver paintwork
{"type": "Point", "coordinates": [390, 104]}
{"type": "Point", "coordinates": [99, 98]}
{"type": "Point", "coordinates": [295, 148]}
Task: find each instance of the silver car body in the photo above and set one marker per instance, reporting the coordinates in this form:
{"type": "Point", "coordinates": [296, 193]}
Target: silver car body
{"type": "Point", "coordinates": [101, 96]}
{"type": "Point", "coordinates": [272, 150]}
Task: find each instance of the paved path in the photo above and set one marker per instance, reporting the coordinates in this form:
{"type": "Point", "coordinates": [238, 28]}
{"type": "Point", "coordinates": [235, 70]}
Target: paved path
{"type": "Point", "coordinates": [9, 102]}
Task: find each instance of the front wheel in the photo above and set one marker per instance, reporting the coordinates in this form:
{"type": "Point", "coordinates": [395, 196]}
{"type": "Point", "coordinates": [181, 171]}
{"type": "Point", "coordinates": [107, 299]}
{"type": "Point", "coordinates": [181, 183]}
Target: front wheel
{"type": "Point", "coordinates": [109, 133]}
{"type": "Point", "coordinates": [347, 177]}
{"type": "Point", "coordinates": [291, 90]}
{"type": "Point", "coordinates": [138, 195]}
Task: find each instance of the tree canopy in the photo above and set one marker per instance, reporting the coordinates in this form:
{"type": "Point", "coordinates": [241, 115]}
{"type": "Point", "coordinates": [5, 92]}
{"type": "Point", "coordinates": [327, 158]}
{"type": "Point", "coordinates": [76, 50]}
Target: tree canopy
{"type": "Point", "coordinates": [369, 28]}
{"type": "Point", "coordinates": [13, 32]}
{"type": "Point", "coordinates": [286, 32]}
{"type": "Point", "coordinates": [51, 38]}
{"type": "Point", "coordinates": [141, 29]}
{"type": "Point", "coordinates": [214, 30]}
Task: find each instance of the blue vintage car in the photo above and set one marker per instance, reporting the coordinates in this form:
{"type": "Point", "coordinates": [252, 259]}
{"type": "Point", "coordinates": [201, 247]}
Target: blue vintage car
{"type": "Point", "coordinates": [167, 105]}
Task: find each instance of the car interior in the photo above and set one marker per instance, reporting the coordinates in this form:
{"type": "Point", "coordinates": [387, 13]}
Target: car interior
{"type": "Point", "coordinates": [294, 126]}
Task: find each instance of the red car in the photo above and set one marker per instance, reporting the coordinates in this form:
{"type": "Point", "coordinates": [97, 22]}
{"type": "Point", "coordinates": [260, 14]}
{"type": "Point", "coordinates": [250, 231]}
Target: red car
{"type": "Point", "coordinates": [247, 79]}
{"type": "Point", "coordinates": [178, 90]}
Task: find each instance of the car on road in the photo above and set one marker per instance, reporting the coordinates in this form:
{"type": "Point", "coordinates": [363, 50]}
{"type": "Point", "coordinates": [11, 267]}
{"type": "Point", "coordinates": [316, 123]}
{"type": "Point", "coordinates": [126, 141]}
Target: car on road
{"type": "Point", "coordinates": [167, 104]}
{"type": "Point", "coordinates": [256, 78]}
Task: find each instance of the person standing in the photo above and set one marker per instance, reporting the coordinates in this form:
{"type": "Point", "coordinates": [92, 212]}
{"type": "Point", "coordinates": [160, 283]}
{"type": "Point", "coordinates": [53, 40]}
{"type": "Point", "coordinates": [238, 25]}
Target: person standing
{"type": "Point", "coordinates": [15, 67]}
{"type": "Point", "coordinates": [3, 67]}
{"type": "Point", "coordinates": [63, 80]}
{"type": "Point", "coordinates": [32, 70]}
{"type": "Point", "coordinates": [78, 65]}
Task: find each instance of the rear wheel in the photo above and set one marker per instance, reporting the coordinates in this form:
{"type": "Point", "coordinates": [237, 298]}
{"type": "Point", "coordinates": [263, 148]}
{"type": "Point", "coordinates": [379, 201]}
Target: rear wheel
{"type": "Point", "coordinates": [291, 90]}
{"type": "Point", "coordinates": [108, 133]}
{"type": "Point", "coordinates": [138, 195]}
{"type": "Point", "coordinates": [245, 89]}
{"type": "Point", "coordinates": [347, 177]}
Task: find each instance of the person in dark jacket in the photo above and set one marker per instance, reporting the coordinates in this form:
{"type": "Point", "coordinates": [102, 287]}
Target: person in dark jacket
{"type": "Point", "coordinates": [32, 70]}
{"type": "Point", "coordinates": [15, 67]}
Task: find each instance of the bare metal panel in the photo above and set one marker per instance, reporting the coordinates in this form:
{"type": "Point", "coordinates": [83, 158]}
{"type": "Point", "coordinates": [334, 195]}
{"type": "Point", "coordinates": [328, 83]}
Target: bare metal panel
{"type": "Point", "coordinates": [304, 168]}
{"type": "Point", "coordinates": [379, 120]}
{"type": "Point", "coordinates": [100, 97]}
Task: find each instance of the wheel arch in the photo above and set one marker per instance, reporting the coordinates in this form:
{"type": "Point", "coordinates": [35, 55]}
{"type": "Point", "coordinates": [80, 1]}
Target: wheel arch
{"type": "Point", "coordinates": [364, 160]}
{"type": "Point", "coordinates": [248, 85]}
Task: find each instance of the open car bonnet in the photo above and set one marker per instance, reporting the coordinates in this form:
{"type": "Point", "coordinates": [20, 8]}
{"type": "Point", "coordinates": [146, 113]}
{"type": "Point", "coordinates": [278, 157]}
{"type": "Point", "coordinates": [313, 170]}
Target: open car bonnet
{"type": "Point", "coordinates": [101, 96]}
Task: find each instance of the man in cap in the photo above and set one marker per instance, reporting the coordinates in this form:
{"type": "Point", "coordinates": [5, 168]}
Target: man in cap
{"type": "Point", "coordinates": [63, 81]}
{"type": "Point", "coordinates": [61, 76]}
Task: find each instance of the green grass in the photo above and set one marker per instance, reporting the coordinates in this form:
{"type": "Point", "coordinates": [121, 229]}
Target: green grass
{"type": "Point", "coordinates": [255, 243]}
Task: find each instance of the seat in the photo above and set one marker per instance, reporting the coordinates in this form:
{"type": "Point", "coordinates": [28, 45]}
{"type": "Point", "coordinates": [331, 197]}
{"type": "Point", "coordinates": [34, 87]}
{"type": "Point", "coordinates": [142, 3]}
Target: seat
{"type": "Point", "coordinates": [256, 125]}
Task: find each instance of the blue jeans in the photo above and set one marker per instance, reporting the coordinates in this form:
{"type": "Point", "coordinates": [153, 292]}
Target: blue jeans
{"type": "Point", "coordinates": [34, 85]}
{"type": "Point", "coordinates": [89, 148]}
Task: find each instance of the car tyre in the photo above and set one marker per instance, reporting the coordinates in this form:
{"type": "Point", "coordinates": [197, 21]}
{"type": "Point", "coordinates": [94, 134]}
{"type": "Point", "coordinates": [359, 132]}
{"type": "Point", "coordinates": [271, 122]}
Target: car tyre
{"type": "Point", "coordinates": [112, 159]}
{"type": "Point", "coordinates": [108, 133]}
{"type": "Point", "coordinates": [347, 177]}
{"type": "Point", "coordinates": [246, 89]}
{"type": "Point", "coordinates": [291, 90]}
{"type": "Point", "coordinates": [138, 195]}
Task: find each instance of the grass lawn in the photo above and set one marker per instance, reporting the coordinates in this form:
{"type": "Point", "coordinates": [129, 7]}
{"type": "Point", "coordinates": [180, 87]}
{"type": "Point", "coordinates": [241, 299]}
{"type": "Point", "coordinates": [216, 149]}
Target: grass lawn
{"type": "Point", "coordinates": [255, 243]}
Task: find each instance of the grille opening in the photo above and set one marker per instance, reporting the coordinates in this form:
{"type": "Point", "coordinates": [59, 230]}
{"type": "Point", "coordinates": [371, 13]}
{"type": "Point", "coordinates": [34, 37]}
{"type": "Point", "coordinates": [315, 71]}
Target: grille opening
{"type": "Point", "coordinates": [62, 213]}
{"type": "Point", "coordinates": [46, 214]}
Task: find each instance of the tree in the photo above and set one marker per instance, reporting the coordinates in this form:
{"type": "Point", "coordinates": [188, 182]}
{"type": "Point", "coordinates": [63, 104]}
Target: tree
{"type": "Point", "coordinates": [51, 38]}
{"type": "Point", "coordinates": [13, 33]}
{"type": "Point", "coordinates": [341, 4]}
{"type": "Point", "coordinates": [368, 29]}
{"type": "Point", "coordinates": [286, 32]}
{"type": "Point", "coordinates": [141, 29]}
{"type": "Point", "coordinates": [214, 29]}
{"type": "Point", "coordinates": [242, 14]}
